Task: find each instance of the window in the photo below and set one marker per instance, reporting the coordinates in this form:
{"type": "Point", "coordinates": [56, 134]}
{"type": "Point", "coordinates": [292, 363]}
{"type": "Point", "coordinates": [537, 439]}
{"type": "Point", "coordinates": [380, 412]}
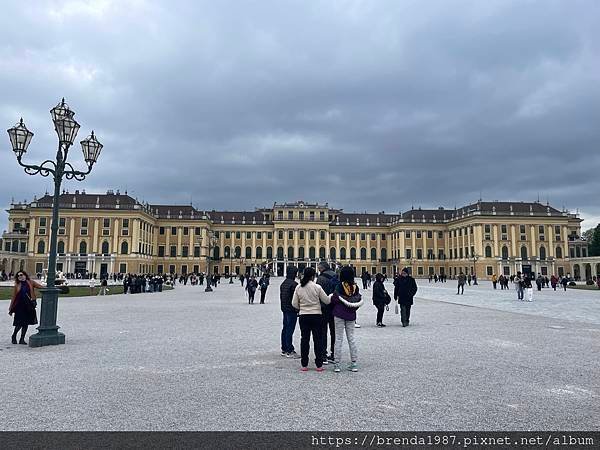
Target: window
{"type": "Point", "coordinates": [60, 249]}
{"type": "Point", "coordinates": [503, 229]}
{"type": "Point", "coordinates": [269, 235]}
{"type": "Point", "coordinates": [185, 251]}
{"type": "Point", "coordinates": [269, 252]}
{"type": "Point", "coordinates": [290, 215]}
{"type": "Point", "coordinates": [523, 252]}
{"type": "Point", "coordinates": [343, 236]}
{"type": "Point", "coordinates": [419, 253]}
{"type": "Point", "coordinates": [504, 252]}
{"type": "Point", "coordinates": [290, 234]}
{"type": "Point", "coordinates": [302, 235]}
{"type": "Point", "coordinates": [62, 222]}
{"type": "Point", "coordinates": [258, 235]}
{"type": "Point", "coordinates": [584, 252]}
{"type": "Point", "coordinates": [441, 253]}
{"type": "Point", "coordinates": [186, 231]}
{"type": "Point", "coordinates": [460, 252]}
{"type": "Point", "coordinates": [216, 253]}
{"type": "Point", "coordinates": [173, 251]}
{"type": "Point", "coordinates": [542, 253]}
{"type": "Point", "coordinates": [440, 235]}
{"type": "Point", "coordinates": [248, 252]}
{"type": "Point", "coordinates": [383, 237]}
{"type": "Point", "coordinates": [363, 253]}
{"type": "Point", "coordinates": [301, 214]}
{"type": "Point", "coordinates": [488, 251]}
{"type": "Point", "coordinates": [332, 237]}
{"type": "Point", "coordinates": [42, 221]}
{"type": "Point", "coordinates": [84, 223]}
{"type": "Point", "coordinates": [332, 253]}
{"type": "Point", "coordinates": [558, 252]}
{"type": "Point", "coordinates": [83, 248]}
{"type": "Point", "coordinates": [280, 234]}
{"type": "Point", "coordinates": [83, 232]}
{"type": "Point", "coordinates": [105, 249]}
{"type": "Point", "coordinates": [322, 253]}
{"type": "Point", "coordinates": [373, 254]}
{"type": "Point", "coordinates": [373, 237]}
{"type": "Point", "coordinates": [352, 236]}
{"type": "Point", "coordinates": [419, 235]}
{"type": "Point", "coordinates": [259, 254]}
{"type": "Point", "coordinates": [161, 230]}
{"type": "Point", "coordinates": [279, 215]}
{"type": "Point", "coordinates": [322, 235]}
{"type": "Point", "coordinates": [312, 235]}
{"type": "Point", "coordinates": [322, 215]}
{"type": "Point", "coordinates": [420, 270]}
{"type": "Point", "coordinates": [352, 253]}
{"type": "Point", "coordinates": [301, 253]}
{"type": "Point", "coordinates": [41, 248]}
{"type": "Point", "coordinates": [489, 270]}
{"type": "Point", "coordinates": [541, 229]}
{"type": "Point", "coordinates": [408, 252]}
{"type": "Point", "coordinates": [290, 252]}
{"type": "Point", "coordinates": [383, 254]}
{"type": "Point", "coordinates": [237, 252]}
{"type": "Point", "coordinates": [248, 235]}
{"type": "Point", "coordinates": [197, 231]}
{"type": "Point", "coordinates": [429, 234]}
{"type": "Point", "coordinates": [105, 223]}
{"type": "Point", "coordinates": [161, 251]}
{"type": "Point", "coordinates": [173, 231]}
{"type": "Point", "coordinates": [279, 252]}
{"type": "Point", "coordinates": [343, 253]}
{"type": "Point", "coordinates": [238, 235]}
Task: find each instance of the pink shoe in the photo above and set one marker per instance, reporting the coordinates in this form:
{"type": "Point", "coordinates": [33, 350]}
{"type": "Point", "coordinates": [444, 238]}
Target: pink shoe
{"type": "Point", "coordinates": [304, 369]}
{"type": "Point", "coordinates": [320, 369]}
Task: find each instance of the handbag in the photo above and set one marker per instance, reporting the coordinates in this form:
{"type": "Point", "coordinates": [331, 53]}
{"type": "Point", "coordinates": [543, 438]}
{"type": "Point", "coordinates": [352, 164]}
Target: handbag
{"type": "Point", "coordinates": [387, 297]}
{"type": "Point", "coordinates": [32, 304]}
{"type": "Point", "coordinates": [396, 309]}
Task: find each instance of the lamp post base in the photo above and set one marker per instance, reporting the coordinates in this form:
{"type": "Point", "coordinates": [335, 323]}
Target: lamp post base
{"type": "Point", "coordinates": [48, 330]}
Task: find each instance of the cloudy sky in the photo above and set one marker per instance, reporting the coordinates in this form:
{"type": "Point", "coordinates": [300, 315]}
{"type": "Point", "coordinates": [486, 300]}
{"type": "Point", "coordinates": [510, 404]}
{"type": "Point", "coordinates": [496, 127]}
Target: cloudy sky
{"type": "Point", "coordinates": [370, 105]}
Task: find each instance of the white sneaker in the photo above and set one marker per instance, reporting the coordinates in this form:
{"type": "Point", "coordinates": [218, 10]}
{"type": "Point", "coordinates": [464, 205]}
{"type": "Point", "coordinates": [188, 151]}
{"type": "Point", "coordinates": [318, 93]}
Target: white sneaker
{"type": "Point", "coordinates": [356, 325]}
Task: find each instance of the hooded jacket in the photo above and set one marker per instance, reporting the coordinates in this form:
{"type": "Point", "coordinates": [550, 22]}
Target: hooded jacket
{"type": "Point", "coordinates": [286, 293]}
{"type": "Point", "coordinates": [345, 306]}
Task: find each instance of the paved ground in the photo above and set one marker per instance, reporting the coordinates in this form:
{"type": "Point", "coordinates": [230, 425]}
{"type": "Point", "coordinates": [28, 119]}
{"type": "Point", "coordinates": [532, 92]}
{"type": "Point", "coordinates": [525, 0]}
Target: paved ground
{"type": "Point", "coordinates": [190, 360]}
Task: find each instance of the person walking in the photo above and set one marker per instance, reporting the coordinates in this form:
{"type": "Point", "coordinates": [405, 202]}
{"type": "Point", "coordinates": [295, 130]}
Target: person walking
{"type": "Point", "coordinates": [346, 299]}
{"type": "Point", "coordinates": [290, 315]}
{"type": "Point", "coordinates": [405, 288]}
{"type": "Point", "coordinates": [103, 286]}
{"type": "Point", "coordinates": [328, 280]}
{"type": "Point", "coordinates": [564, 282]}
{"type": "Point", "coordinates": [22, 305]}
{"type": "Point", "coordinates": [494, 280]}
{"type": "Point", "coordinates": [461, 283]}
{"type": "Point", "coordinates": [553, 281]}
{"type": "Point", "coordinates": [92, 284]}
{"type": "Point", "coordinates": [539, 281]}
{"type": "Point", "coordinates": [264, 285]}
{"type": "Point", "coordinates": [519, 285]}
{"type": "Point", "coordinates": [381, 299]}
{"type": "Point", "coordinates": [251, 286]}
{"type": "Point", "coordinates": [307, 299]}
{"type": "Point", "coordinates": [528, 288]}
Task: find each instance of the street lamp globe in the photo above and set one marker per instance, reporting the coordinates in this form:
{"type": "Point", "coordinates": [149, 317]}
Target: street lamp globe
{"type": "Point", "coordinates": [61, 111]}
{"type": "Point", "coordinates": [66, 128]}
{"type": "Point", "coordinates": [91, 149]}
{"type": "Point", "coordinates": [20, 138]}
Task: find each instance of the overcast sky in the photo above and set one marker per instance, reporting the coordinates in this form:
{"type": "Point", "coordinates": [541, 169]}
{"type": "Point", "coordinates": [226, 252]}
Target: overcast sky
{"type": "Point", "coordinates": [369, 105]}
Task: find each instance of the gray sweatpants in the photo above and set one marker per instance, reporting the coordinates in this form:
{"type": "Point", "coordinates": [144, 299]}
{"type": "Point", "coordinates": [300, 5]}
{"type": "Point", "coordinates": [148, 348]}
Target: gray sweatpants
{"type": "Point", "coordinates": [340, 326]}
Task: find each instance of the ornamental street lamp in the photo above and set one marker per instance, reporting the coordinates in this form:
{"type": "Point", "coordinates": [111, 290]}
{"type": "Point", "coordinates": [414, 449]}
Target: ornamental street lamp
{"type": "Point", "coordinates": [20, 137]}
{"type": "Point", "coordinates": [211, 242]}
{"type": "Point", "coordinates": [474, 258]}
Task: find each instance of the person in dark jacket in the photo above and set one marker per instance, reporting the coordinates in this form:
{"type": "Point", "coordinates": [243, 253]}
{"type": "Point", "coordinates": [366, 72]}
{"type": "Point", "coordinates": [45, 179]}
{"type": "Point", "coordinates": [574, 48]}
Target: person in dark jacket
{"type": "Point", "coordinates": [264, 285]}
{"type": "Point", "coordinates": [380, 298]}
{"type": "Point", "coordinates": [22, 305]}
{"type": "Point", "coordinates": [290, 315]}
{"type": "Point", "coordinates": [251, 286]}
{"type": "Point", "coordinates": [328, 280]}
{"type": "Point", "coordinates": [405, 289]}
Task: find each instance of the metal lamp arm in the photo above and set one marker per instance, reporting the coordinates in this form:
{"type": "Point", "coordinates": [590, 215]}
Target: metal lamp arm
{"type": "Point", "coordinates": [71, 173]}
{"type": "Point", "coordinates": [42, 169]}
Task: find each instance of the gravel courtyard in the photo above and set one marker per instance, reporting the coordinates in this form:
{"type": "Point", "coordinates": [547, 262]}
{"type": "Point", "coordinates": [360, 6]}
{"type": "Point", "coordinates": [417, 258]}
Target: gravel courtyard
{"type": "Point", "coordinates": [190, 360]}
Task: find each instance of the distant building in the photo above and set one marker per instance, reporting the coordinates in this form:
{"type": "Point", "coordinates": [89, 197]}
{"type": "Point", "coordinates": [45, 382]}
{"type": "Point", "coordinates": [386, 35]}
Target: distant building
{"type": "Point", "coordinates": [113, 232]}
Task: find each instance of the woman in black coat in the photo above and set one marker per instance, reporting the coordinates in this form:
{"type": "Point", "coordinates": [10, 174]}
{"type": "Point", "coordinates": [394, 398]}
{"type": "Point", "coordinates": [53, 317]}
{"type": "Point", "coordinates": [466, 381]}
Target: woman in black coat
{"type": "Point", "coordinates": [380, 298]}
{"type": "Point", "coordinates": [22, 305]}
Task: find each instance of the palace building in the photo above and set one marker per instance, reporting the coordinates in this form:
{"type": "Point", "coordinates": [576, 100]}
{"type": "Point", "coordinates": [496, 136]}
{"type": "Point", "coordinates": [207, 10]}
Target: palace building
{"type": "Point", "coordinates": [113, 232]}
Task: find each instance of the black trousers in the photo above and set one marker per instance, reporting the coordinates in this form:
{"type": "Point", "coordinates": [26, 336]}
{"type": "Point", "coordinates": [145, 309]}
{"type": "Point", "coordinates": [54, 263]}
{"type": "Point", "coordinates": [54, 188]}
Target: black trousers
{"type": "Point", "coordinates": [327, 322]}
{"type": "Point", "coordinates": [263, 292]}
{"type": "Point", "coordinates": [405, 313]}
{"type": "Point", "coordinates": [380, 310]}
{"type": "Point", "coordinates": [311, 324]}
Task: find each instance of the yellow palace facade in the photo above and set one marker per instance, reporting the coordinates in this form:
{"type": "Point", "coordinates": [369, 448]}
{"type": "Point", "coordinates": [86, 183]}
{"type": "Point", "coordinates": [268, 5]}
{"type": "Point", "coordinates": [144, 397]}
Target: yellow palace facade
{"type": "Point", "coordinates": [113, 232]}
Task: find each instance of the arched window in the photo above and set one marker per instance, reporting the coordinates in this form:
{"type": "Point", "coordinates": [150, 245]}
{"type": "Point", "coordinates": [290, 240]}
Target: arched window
{"type": "Point", "coordinates": [248, 252]}
{"type": "Point", "coordinates": [216, 252]}
{"type": "Point", "coordinates": [290, 253]}
{"type": "Point", "coordinates": [60, 249]}
{"type": "Point", "coordinates": [542, 253]}
{"type": "Point", "coordinates": [15, 246]}
{"type": "Point", "coordinates": [41, 249]}
{"type": "Point", "coordinates": [322, 253]}
{"type": "Point", "coordinates": [312, 253]}
{"type": "Point", "coordinates": [227, 252]}
{"type": "Point", "coordinates": [352, 253]}
{"type": "Point", "coordinates": [524, 252]}
{"type": "Point", "coordinates": [238, 252]}
{"type": "Point", "coordinates": [269, 252]}
{"type": "Point", "coordinates": [559, 252]}
{"type": "Point", "coordinates": [83, 248]}
{"type": "Point", "coordinates": [105, 250]}
{"type": "Point", "coordinates": [488, 251]}
{"type": "Point", "coordinates": [505, 252]}
{"type": "Point", "coordinates": [384, 254]}
{"type": "Point", "coordinates": [332, 254]}
{"type": "Point", "coordinates": [279, 252]}
{"type": "Point", "coordinates": [343, 253]}
{"type": "Point", "coordinates": [363, 253]}
{"type": "Point", "coordinates": [258, 252]}
{"type": "Point", "coordinates": [301, 253]}
{"type": "Point", "coordinates": [124, 248]}
{"type": "Point", "coordinates": [373, 254]}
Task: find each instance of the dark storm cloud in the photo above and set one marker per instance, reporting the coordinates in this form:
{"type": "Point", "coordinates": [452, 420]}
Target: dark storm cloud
{"type": "Point", "coordinates": [367, 105]}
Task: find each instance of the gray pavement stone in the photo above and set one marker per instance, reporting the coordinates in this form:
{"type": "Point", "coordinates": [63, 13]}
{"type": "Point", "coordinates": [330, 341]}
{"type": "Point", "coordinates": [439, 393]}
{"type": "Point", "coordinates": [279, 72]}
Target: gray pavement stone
{"type": "Point", "coordinates": [190, 360]}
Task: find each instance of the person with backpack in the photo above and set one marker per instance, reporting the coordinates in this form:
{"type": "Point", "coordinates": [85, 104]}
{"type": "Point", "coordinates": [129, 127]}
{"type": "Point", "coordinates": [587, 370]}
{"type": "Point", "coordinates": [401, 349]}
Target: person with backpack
{"type": "Point", "coordinates": [290, 315]}
{"type": "Point", "coordinates": [307, 299]}
{"type": "Point", "coordinates": [345, 300]}
{"type": "Point", "coordinates": [381, 299]}
{"type": "Point", "coordinates": [251, 286]}
{"type": "Point", "coordinates": [405, 289]}
{"type": "Point", "coordinates": [328, 280]}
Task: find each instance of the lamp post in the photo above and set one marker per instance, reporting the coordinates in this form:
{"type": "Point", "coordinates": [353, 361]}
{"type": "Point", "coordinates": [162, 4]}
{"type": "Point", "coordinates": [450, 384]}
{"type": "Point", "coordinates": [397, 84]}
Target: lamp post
{"type": "Point", "coordinates": [20, 137]}
{"type": "Point", "coordinates": [211, 242]}
{"type": "Point", "coordinates": [230, 267]}
{"type": "Point", "coordinates": [474, 258]}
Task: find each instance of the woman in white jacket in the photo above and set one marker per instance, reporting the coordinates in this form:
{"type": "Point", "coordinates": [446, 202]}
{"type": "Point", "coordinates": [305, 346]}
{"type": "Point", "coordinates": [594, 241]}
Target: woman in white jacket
{"type": "Point", "coordinates": [307, 300]}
